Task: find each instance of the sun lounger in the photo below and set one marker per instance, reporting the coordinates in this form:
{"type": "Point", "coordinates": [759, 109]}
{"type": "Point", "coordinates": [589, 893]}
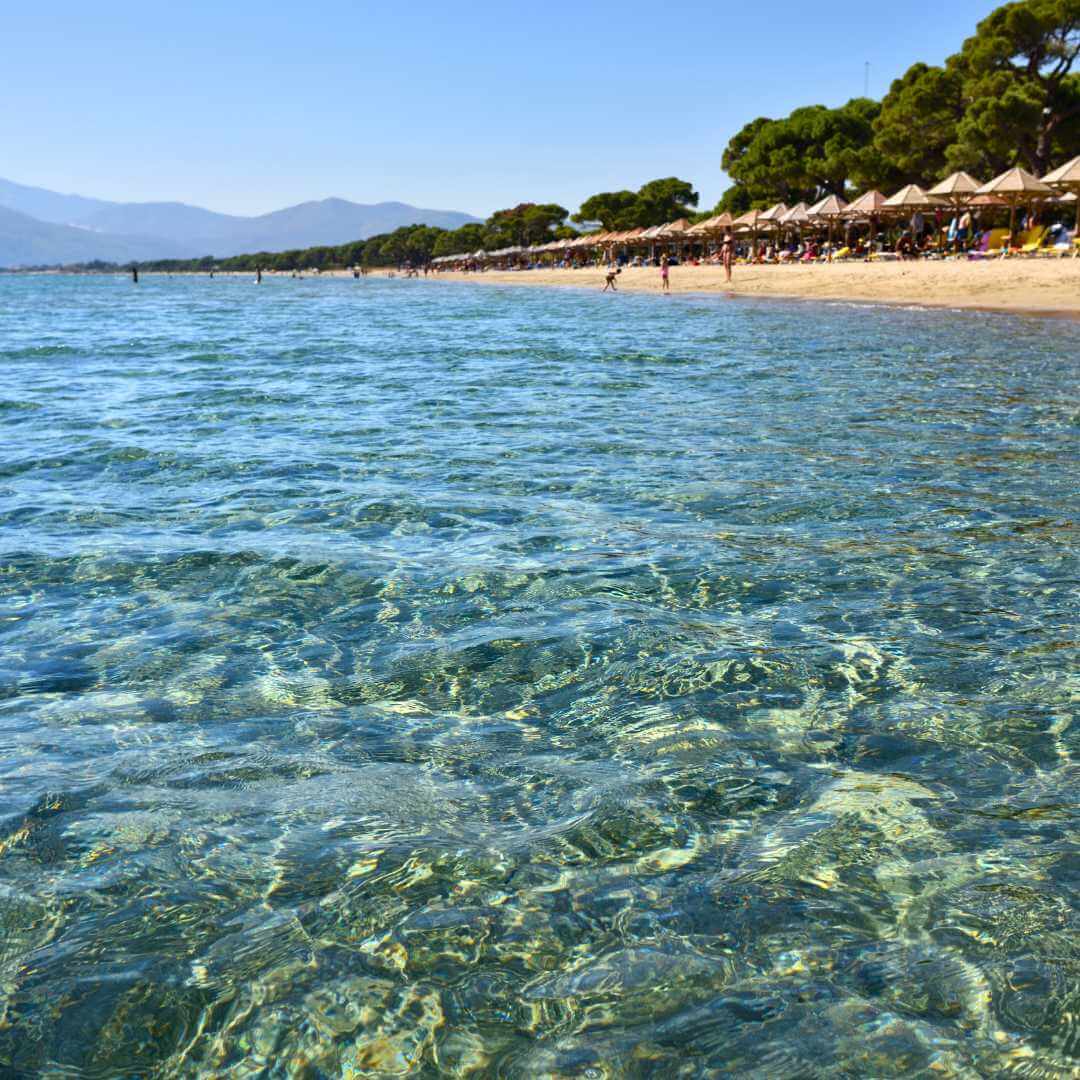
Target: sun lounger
{"type": "Point", "coordinates": [1031, 241]}
{"type": "Point", "coordinates": [992, 244]}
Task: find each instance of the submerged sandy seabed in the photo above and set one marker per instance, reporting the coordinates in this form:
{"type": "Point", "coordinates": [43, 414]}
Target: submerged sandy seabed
{"type": "Point", "coordinates": [1048, 285]}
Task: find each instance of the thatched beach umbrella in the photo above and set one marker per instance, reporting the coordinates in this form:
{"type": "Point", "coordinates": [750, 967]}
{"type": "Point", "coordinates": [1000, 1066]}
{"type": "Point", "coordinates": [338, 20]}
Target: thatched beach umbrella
{"type": "Point", "coordinates": [911, 197]}
{"type": "Point", "coordinates": [828, 210]}
{"type": "Point", "coordinates": [673, 232]}
{"type": "Point", "coordinates": [770, 219]}
{"type": "Point", "coordinates": [750, 222]}
{"type": "Point", "coordinates": [1067, 178]}
{"type": "Point", "coordinates": [796, 215]}
{"type": "Point", "coordinates": [957, 189]}
{"type": "Point", "coordinates": [1016, 186]}
{"type": "Point", "coordinates": [711, 226]}
{"type": "Point", "coordinates": [909, 200]}
{"type": "Point", "coordinates": [649, 236]}
{"type": "Point", "coordinates": [867, 206]}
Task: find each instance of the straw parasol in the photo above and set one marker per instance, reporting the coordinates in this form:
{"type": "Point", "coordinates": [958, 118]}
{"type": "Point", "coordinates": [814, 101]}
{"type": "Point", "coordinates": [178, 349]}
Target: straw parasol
{"type": "Point", "coordinates": [1016, 186]}
{"type": "Point", "coordinates": [867, 206]}
{"type": "Point", "coordinates": [774, 214]}
{"type": "Point", "coordinates": [717, 223]}
{"type": "Point", "coordinates": [795, 216]}
{"type": "Point", "coordinates": [749, 221]}
{"type": "Point", "coordinates": [956, 189]}
{"type": "Point", "coordinates": [828, 209]}
{"type": "Point", "coordinates": [1067, 178]}
{"type": "Point", "coordinates": [910, 197]}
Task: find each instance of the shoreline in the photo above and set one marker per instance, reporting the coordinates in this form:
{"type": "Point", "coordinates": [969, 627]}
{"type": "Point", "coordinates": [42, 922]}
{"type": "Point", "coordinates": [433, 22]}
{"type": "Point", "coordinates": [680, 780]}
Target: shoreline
{"type": "Point", "coordinates": [1043, 287]}
{"type": "Point", "coordinates": [1040, 287]}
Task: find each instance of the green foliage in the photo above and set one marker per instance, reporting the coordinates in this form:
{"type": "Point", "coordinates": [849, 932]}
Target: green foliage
{"type": "Point", "coordinates": [613, 209]}
{"type": "Point", "coordinates": [734, 201]}
{"type": "Point", "coordinates": [524, 224]}
{"type": "Point", "coordinates": [654, 203]}
{"type": "Point", "coordinates": [1021, 98]}
{"type": "Point", "coordinates": [813, 152]}
{"type": "Point", "coordinates": [467, 239]}
{"type": "Point", "coordinates": [1009, 96]}
{"type": "Point", "coordinates": [918, 121]}
{"type": "Point", "coordinates": [665, 200]}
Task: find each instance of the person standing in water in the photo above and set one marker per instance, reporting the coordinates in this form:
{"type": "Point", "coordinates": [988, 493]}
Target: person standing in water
{"type": "Point", "coordinates": [727, 251]}
{"type": "Point", "coordinates": [665, 271]}
{"type": "Point", "coordinates": [135, 274]}
{"type": "Point", "coordinates": [258, 275]}
{"type": "Point", "coordinates": [609, 281]}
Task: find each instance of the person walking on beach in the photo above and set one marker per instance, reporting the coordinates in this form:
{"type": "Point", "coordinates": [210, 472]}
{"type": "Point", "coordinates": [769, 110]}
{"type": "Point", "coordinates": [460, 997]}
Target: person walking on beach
{"type": "Point", "coordinates": [665, 272]}
{"type": "Point", "coordinates": [609, 281]}
{"type": "Point", "coordinates": [727, 251]}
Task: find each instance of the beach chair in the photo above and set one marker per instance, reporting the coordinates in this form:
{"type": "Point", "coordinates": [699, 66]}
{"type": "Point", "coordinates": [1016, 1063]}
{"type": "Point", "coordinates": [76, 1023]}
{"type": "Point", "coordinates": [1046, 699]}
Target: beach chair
{"type": "Point", "coordinates": [1031, 241]}
{"type": "Point", "coordinates": [997, 243]}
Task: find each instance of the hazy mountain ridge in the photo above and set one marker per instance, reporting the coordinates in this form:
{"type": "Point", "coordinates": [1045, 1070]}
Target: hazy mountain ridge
{"type": "Point", "coordinates": [99, 229]}
{"type": "Point", "coordinates": [26, 241]}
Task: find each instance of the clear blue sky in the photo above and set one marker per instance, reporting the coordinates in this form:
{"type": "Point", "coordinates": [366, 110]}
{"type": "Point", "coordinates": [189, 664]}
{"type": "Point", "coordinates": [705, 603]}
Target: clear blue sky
{"type": "Point", "coordinates": [246, 107]}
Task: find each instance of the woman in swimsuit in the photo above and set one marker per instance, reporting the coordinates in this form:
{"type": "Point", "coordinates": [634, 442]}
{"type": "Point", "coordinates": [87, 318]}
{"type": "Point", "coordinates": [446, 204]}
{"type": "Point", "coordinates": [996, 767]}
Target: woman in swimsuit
{"type": "Point", "coordinates": [726, 252]}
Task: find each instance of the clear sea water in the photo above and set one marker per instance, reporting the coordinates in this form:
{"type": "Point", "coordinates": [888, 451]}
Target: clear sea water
{"type": "Point", "coordinates": [413, 679]}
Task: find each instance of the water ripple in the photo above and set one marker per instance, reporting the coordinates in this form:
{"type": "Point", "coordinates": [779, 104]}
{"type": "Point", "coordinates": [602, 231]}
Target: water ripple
{"type": "Point", "coordinates": [411, 680]}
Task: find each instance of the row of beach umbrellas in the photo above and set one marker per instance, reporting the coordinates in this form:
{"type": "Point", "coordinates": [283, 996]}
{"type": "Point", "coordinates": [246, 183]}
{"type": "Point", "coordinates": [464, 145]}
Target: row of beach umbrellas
{"type": "Point", "coordinates": [1014, 187]}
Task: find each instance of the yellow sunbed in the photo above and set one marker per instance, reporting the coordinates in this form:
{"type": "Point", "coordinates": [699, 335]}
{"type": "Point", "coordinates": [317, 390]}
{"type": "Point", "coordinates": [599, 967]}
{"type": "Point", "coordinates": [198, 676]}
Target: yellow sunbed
{"type": "Point", "coordinates": [1032, 240]}
{"type": "Point", "coordinates": [998, 243]}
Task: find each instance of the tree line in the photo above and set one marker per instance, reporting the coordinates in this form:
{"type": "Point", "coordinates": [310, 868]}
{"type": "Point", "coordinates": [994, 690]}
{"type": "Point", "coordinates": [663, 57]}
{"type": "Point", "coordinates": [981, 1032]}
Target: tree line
{"type": "Point", "coordinates": [1008, 96]}
{"type": "Point", "coordinates": [519, 226]}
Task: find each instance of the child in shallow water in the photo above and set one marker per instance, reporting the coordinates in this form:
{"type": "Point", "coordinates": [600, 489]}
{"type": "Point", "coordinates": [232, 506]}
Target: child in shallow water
{"type": "Point", "coordinates": [665, 271]}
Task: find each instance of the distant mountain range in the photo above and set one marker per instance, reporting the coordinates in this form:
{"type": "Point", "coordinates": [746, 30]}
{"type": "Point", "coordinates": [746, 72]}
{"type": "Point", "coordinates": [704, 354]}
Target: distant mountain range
{"type": "Point", "coordinates": [41, 227]}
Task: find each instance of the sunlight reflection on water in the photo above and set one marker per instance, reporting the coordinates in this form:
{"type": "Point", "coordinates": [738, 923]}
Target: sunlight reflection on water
{"type": "Point", "coordinates": [401, 678]}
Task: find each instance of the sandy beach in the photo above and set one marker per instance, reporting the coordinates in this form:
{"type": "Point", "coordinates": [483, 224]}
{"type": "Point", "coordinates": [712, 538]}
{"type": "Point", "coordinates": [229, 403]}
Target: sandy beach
{"type": "Point", "coordinates": [1044, 286]}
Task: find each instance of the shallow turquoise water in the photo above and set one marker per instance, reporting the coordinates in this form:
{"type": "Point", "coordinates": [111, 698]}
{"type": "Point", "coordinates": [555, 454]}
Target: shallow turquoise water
{"type": "Point", "coordinates": [401, 678]}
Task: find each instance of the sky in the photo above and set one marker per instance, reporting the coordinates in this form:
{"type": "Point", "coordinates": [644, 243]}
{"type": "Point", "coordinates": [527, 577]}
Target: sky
{"type": "Point", "coordinates": [247, 107]}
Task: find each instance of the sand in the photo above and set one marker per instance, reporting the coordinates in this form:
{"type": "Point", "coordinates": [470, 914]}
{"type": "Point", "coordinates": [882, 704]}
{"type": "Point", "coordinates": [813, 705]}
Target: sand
{"type": "Point", "coordinates": [1037, 285]}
